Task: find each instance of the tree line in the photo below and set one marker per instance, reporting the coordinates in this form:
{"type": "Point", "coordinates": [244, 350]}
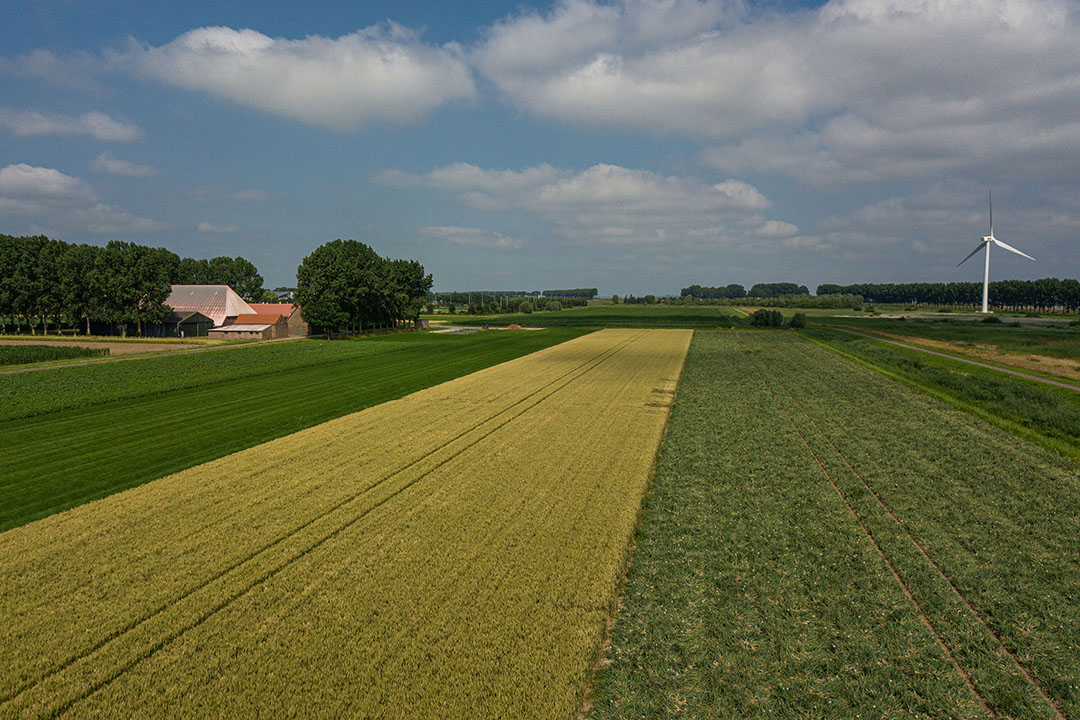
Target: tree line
{"type": "Point", "coordinates": [44, 280]}
{"type": "Point", "coordinates": [345, 286]}
{"type": "Point", "coordinates": [735, 291]}
{"type": "Point", "coordinates": [1044, 294]}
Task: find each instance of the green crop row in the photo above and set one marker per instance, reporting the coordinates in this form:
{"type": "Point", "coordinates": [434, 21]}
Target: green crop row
{"type": "Point", "coordinates": [63, 459]}
{"type": "Point", "coordinates": [792, 485]}
{"type": "Point", "coordinates": [453, 553]}
{"type": "Point", "coordinates": [24, 354]}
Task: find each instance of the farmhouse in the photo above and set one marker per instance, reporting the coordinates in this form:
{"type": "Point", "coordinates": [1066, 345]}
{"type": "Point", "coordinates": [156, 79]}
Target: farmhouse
{"type": "Point", "coordinates": [220, 303]}
{"type": "Point", "coordinates": [259, 326]}
{"type": "Point", "coordinates": [296, 325]}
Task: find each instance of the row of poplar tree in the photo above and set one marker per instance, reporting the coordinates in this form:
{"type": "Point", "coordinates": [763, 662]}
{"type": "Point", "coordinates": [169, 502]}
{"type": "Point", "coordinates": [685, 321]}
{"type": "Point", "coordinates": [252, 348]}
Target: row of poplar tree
{"type": "Point", "coordinates": [47, 282]}
{"type": "Point", "coordinates": [1044, 294]}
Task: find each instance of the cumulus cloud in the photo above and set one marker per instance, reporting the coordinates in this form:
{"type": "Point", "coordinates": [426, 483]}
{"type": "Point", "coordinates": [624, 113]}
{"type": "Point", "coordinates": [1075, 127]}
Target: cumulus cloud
{"type": "Point", "coordinates": [95, 124]}
{"type": "Point", "coordinates": [381, 73]}
{"type": "Point", "coordinates": [472, 237]}
{"type": "Point", "coordinates": [854, 90]}
{"type": "Point", "coordinates": [604, 203]}
{"type": "Point", "coordinates": [64, 202]}
{"type": "Point", "coordinates": [107, 163]}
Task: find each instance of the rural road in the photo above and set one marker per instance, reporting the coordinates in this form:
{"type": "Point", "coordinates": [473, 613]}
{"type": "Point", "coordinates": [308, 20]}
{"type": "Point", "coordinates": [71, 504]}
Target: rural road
{"type": "Point", "coordinates": [1026, 376]}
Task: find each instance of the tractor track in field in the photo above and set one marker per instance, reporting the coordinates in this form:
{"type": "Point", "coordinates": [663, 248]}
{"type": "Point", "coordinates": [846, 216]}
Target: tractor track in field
{"type": "Point", "coordinates": [938, 569]}
{"type": "Point", "coordinates": [1006, 650]}
{"type": "Point", "coordinates": [565, 379]}
{"type": "Point", "coordinates": [920, 611]}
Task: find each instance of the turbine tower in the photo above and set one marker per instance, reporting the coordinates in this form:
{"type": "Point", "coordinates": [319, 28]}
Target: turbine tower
{"type": "Point", "coordinates": [987, 241]}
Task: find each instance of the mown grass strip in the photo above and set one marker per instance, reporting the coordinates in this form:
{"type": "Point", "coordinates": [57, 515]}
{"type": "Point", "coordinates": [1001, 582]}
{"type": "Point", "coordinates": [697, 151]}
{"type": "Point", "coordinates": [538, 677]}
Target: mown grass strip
{"type": "Point", "coordinates": [63, 459]}
{"type": "Point", "coordinates": [473, 573]}
{"type": "Point", "coordinates": [744, 600]}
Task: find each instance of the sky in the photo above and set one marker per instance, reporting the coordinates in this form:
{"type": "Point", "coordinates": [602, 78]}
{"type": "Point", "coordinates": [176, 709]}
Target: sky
{"type": "Point", "coordinates": [635, 146]}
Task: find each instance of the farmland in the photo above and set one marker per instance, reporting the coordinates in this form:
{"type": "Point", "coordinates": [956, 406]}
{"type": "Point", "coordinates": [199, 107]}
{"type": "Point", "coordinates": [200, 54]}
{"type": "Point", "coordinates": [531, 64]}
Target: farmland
{"type": "Point", "coordinates": [596, 316]}
{"type": "Point", "coordinates": [98, 429]}
{"type": "Point", "coordinates": [434, 537]}
{"type": "Point", "coordinates": [821, 541]}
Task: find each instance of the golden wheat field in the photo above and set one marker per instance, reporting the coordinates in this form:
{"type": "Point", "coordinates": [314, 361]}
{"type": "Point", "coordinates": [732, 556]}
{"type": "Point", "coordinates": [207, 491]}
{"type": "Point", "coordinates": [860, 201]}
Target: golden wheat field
{"type": "Point", "coordinates": [451, 553]}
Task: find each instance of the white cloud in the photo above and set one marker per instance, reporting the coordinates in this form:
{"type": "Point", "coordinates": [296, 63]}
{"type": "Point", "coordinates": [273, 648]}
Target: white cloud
{"type": "Point", "coordinates": [854, 90]}
{"type": "Point", "coordinates": [95, 124]}
{"type": "Point", "coordinates": [205, 227]}
{"type": "Point", "coordinates": [27, 181]}
{"type": "Point", "coordinates": [605, 203]}
{"type": "Point", "coordinates": [107, 163]}
{"type": "Point", "coordinates": [381, 73]}
{"type": "Point", "coordinates": [472, 237]}
{"type": "Point", "coordinates": [776, 228]}
{"type": "Point", "coordinates": [63, 202]}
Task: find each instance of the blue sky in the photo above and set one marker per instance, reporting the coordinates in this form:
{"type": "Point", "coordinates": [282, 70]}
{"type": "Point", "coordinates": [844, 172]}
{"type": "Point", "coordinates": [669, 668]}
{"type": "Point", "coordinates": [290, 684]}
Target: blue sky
{"type": "Point", "coordinates": [637, 146]}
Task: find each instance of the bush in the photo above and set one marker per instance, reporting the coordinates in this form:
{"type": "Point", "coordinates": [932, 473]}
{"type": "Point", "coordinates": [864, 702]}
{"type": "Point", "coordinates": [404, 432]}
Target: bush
{"type": "Point", "coordinates": [1032, 315]}
{"type": "Point", "coordinates": [525, 307]}
{"type": "Point", "coordinates": [766, 318]}
{"type": "Point", "coordinates": [553, 305]}
{"type": "Point", "coordinates": [991, 319]}
{"type": "Point", "coordinates": [798, 321]}
{"type": "Point", "coordinates": [944, 310]}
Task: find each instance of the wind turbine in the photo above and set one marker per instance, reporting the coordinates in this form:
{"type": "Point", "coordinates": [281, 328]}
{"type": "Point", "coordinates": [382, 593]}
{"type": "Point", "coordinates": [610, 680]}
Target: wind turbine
{"type": "Point", "coordinates": [987, 241]}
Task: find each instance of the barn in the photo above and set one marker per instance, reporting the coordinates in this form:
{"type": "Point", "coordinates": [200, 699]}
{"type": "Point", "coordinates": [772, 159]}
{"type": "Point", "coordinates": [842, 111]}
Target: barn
{"type": "Point", "coordinates": [220, 303]}
{"type": "Point", "coordinates": [297, 327]}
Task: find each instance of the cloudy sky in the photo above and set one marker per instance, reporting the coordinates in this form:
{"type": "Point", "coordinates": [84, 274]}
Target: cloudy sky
{"type": "Point", "coordinates": [635, 146]}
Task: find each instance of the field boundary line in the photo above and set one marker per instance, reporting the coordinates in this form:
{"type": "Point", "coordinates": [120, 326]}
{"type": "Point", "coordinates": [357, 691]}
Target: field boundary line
{"type": "Point", "coordinates": [969, 361]}
{"type": "Point", "coordinates": [880, 551]}
{"type": "Point", "coordinates": [933, 563]}
{"type": "Point", "coordinates": [594, 361]}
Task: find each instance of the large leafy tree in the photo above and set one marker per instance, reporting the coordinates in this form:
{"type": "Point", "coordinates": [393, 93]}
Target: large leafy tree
{"type": "Point", "coordinates": [345, 285]}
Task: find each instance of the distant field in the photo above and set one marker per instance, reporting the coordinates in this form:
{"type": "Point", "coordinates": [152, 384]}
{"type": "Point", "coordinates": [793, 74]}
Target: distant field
{"type": "Point", "coordinates": [26, 354]}
{"type": "Point", "coordinates": [659, 316]}
{"type": "Point", "coordinates": [454, 553]}
{"type": "Point", "coordinates": [821, 541]}
{"type": "Point", "coordinates": [1058, 339]}
{"type": "Point", "coordinates": [190, 409]}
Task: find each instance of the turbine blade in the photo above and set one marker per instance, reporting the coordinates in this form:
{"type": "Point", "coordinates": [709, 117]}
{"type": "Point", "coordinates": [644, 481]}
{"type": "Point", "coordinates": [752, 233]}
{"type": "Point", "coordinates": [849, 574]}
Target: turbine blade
{"type": "Point", "coordinates": [977, 249]}
{"type": "Point", "coordinates": [1011, 249]}
{"type": "Point", "coordinates": [990, 195]}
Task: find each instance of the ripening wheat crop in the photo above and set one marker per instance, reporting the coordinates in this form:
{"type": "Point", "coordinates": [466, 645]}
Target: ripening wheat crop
{"type": "Point", "coordinates": [451, 553]}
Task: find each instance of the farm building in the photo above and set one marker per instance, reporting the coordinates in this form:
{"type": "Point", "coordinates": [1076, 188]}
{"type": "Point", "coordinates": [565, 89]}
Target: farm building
{"type": "Point", "coordinates": [243, 331]}
{"type": "Point", "coordinates": [186, 323]}
{"type": "Point", "coordinates": [220, 303]}
{"type": "Point", "coordinates": [296, 324]}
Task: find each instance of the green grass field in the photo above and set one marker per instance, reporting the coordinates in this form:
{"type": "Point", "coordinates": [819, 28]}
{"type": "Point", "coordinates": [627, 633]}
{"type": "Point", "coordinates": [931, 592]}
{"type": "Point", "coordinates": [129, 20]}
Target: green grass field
{"type": "Point", "coordinates": [822, 541]}
{"type": "Point", "coordinates": [61, 459]}
{"type": "Point", "coordinates": [643, 316]}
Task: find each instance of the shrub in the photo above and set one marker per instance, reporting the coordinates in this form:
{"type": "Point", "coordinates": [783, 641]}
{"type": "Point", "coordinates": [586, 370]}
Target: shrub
{"type": "Point", "coordinates": [991, 319]}
{"type": "Point", "coordinates": [1032, 315]}
{"type": "Point", "coordinates": [766, 318]}
{"type": "Point", "coordinates": [944, 310]}
{"type": "Point", "coordinates": [798, 321]}
{"type": "Point", "coordinates": [525, 307]}
{"type": "Point", "coordinates": [553, 305]}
